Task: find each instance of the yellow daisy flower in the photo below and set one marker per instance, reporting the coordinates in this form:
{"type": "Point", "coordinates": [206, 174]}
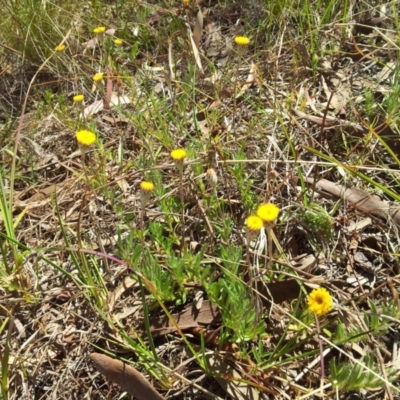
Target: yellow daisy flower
{"type": "Point", "coordinates": [178, 155]}
{"type": "Point", "coordinates": [98, 77]}
{"type": "Point", "coordinates": [146, 187]}
{"type": "Point", "coordinates": [99, 29]}
{"type": "Point", "coordinates": [320, 301]}
{"type": "Point", "coordinates": [254, 223]}
{"type": "Point", "coordinates": [60, 48]}
{"type": "Point", "coordinates": [268, 212]}
{"type": "Point", "coordinates": [118, 42]}
{"type": "Point", "coordinates": [242, 40]}
{"type": "Point", "coordinates": [85, 137]}
{"type": "Point", "coordinates": [78, 98]}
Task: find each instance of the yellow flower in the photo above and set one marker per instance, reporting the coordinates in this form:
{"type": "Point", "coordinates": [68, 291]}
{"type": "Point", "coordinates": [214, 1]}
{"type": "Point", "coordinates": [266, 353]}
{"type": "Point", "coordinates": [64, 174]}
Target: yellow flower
{"type": "Point", "coordinates": [254, 223]}
{"type": "Point", "coordinates": [99, 29]}
{"type": "Point", "coordinates": [98, 77]}
{"type": "Point", "coordinates": [85, 137]}
{"type": "Point", "coordinates": [242, 40]}
{"type": "Point", "coordinates": [145, 192]}
{"type": "Point", "coordinates": [320, 301]}
{"type": "Point", "coordinates": [146, 187]}
{"type": "Point", "coordinates": [178, 155]}
{"type": "Point", "coordinates": [60, 48]}
{"type": "Point", "coordinates": [118, 42]}
{"type": "Point", "coordinates": [268, 212]}
{"type": "Point", "coordinates": [78, 98]}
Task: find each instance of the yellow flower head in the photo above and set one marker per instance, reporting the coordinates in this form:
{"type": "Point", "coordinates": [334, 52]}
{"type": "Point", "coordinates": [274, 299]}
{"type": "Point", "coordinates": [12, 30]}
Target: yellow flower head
{"type": "Point", "coordinates": [78, 98]}
{"type": "Point", "coordinates": [320, 301]}
{"type": "Point", "coordinates": [268, 212]}
{"type": "Point", "coordinates": [242, 40]}
{"type": "Point", "coordinates": [146, 187]}
{"type": "Point", "coordinates": [178, 155]}
{"type": "Point", "coordinates": [60, 48]}
{"type": "Point", "coordinates": [98, 77]}
{"type": "Point", "coordinates": [85, 137]}
{"type": "Point", "coordinates": [118, 42]}
{"type": "Point", "coordinates": [99, 29]}
{"type": "Point", "coordinates": [254, 223]}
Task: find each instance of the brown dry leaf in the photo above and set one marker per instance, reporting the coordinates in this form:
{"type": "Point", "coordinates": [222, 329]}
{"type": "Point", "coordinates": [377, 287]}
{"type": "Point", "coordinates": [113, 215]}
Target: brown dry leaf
{"type": "Point", "coordinates": [126, 377]}
{"type": "Point", "coordinates": [109, 88]}
{"type": "Point", "coordinates": [110, 32]}
{"type": "Point", "coordinates": [338, 98]}
{"type": "Point", "coordinates": [189, 317]}
{"type": "Point", "coordinates": [90, 44]}
{"type": "Point", "coordinates": [98, 105]}
{"type": "Point", "coordinates": [39, 198]}
{"type": "Point", "coordinates": [358, 226]}
{"type": "Point", "coordinates": [198, 28]}
{"type": "Point", "coordinates": [115, 120]}
{"type": "Point", "coordinates": [330, 122]}
{"type": "Point", "coordinates": [361, 200]}
{"type": "Point", "coordinates": [249, 81]}
{"type": "Point", "coordinates": [215, 43]}
{"type": "Point", "coordinates": [234, 385]}
{"type": "Point", "coordinates": [307, 263]}
{"type": "Point", "coordinates": [304, 55]}
{"type": "Point", "coordinates": [119, 290]}
{"type": "Point", "coordinates": [20, 328]}
{"type": "Point", "coordinates": [386, 71]}
{"type": "Point", "coordinates": [280, 291]}
{"type": "Point", "coordinates": [195, 48]}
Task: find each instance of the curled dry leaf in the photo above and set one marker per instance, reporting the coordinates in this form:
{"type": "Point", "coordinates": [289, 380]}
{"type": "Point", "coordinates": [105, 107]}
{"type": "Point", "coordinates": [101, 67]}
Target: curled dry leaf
{"type": "Point", "coordinates": [98, 105]}
{"type": "Point", "coordinates": [197, 32]}
{"type": "Point", "coordinates": [126, 377]}
{"type": "Point", "coordinates": [330, 122]}
{"type": "Point", "coordinates": [198, 28]}
{"type": "Point", "coordinates": [189, 317]}
{"type": "Point", "coordinates": [361, 200]}
{"type": "Point", "coordinates": [127, 283]}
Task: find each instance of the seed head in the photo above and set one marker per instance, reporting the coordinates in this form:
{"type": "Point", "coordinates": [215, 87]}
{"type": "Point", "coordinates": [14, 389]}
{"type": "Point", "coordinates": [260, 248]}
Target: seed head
{"type": "Point", "coordinates": [212, 177]}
